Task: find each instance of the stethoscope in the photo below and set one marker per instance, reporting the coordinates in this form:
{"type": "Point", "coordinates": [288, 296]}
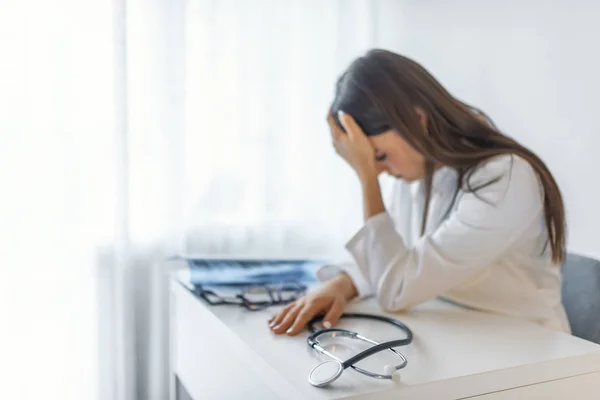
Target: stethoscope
{"type": "Point", "coordinates": [328, 371]}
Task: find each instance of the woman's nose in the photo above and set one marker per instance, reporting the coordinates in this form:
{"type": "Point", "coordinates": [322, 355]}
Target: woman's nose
{"type": "Point", "coordinates": [381, 167]}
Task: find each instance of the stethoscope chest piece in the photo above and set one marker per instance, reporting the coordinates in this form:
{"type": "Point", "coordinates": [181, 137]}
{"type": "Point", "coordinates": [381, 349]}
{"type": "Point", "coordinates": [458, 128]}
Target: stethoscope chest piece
{"type": "Point", "coordinates": [325, 373]}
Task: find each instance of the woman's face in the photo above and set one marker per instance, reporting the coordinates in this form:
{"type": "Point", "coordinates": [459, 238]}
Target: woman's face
{"type": "Point", "coordinates": [396, 157]}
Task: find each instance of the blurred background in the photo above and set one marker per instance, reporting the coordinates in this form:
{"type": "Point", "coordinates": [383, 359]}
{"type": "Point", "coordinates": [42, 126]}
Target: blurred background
{"type": "Point", "coordinates": [131, 130]}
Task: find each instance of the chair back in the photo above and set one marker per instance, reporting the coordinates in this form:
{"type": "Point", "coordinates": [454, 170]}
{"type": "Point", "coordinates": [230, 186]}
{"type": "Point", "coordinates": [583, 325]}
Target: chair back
{"type": "Point", "coordinates": [581, 295]}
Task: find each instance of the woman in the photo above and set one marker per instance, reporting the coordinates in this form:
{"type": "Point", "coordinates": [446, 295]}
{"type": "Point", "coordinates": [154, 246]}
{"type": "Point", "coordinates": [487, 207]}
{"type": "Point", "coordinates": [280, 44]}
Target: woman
{"type": "Point", "coordinates": [476, 218]}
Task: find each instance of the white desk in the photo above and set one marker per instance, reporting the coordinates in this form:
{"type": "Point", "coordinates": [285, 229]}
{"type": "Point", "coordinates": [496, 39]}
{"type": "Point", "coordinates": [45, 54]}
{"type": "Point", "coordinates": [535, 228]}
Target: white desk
{"type": "Point", "coordinates": [226, 352]}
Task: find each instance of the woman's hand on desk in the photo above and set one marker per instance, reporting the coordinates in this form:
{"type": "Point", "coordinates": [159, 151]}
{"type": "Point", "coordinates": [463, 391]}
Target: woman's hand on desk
{"type": "Point", "coordinates": [330, 299]}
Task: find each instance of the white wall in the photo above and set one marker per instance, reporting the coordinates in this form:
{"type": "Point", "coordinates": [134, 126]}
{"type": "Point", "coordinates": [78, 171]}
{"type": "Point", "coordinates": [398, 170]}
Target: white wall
{"type": "Point", "coordinates": [534, 68]}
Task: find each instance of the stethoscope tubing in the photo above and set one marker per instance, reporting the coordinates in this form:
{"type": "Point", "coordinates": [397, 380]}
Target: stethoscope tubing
{"type": "Point", "coordinates": [315, 333]}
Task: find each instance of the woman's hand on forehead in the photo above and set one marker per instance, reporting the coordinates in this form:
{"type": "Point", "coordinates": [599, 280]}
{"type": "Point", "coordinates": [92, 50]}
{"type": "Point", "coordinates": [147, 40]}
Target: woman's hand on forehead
{"type": "Point", "coordinates": [352, 144]}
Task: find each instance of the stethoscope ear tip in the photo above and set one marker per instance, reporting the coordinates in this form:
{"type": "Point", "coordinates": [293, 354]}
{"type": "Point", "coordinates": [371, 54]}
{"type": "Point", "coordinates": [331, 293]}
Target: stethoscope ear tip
{"type": "Point", "coordinates": [391, 371]}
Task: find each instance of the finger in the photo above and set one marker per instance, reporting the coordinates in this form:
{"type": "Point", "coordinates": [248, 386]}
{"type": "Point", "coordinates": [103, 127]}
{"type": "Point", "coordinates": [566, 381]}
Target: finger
{"type": "Point", "coordinates": [276, 320]}
{"type": "Point", "coordinates": [307, 313]}
{"type": "Point", "coordinates": [329, 113]}
{"type": "Point", "coordinates": [341, 142]}
{"type": "Point", "coordinates": [276, 315]}
{"type": "Point", "coordinates": [332, 316]}
{"type": "Point", "coordinates": [336, 132]}
{"type": "Point", "coordinates": [350, 125]}
{"type": "Point", "coordinates": [338, 146]}
{"type": "Point", "coordinates": [287, 320]}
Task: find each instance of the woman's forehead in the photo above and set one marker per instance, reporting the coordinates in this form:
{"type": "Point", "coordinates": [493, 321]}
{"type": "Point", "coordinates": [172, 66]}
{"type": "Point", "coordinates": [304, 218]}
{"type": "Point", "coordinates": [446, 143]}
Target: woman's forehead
{"type": "Point", "coordinates": [383, 140]}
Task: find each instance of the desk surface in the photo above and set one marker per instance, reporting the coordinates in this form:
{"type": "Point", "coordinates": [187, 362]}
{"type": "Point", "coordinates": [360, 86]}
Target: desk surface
{"type": "Point", "coordinates": [456, 352]}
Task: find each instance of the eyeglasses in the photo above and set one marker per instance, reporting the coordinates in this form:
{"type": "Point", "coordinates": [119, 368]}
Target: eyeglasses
{"type": "Point", "coordinates": [254, 297]}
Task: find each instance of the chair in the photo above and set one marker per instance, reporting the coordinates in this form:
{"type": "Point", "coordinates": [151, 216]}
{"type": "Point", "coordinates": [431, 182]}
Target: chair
{"type": "Point", "coordinates": [581, 295]}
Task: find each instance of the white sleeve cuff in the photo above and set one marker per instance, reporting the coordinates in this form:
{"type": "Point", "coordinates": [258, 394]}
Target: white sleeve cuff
{"type": "Point", "coordinates": [373, 224]}
{"type": "Point", "coordinates": [330, 271]}
{"type": "Point", "coordinates": [375, 242]}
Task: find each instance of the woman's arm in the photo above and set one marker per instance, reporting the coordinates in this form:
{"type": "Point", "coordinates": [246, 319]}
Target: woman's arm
{"type": "Point", "coordinates": [371, 192]}
{"type": "Point", "coordinates": [481, 229]}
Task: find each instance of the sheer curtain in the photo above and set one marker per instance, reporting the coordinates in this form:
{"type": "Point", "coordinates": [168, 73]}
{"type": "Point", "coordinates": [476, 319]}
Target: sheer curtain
{"type": "Point", "coordinates": [91, 153]}
{"type": "Point", "coordinates": [261, 176]}
{"type": "Point", "coordinates": [56, 172]}
{"type": "Point", "coordinates": [133, 130]}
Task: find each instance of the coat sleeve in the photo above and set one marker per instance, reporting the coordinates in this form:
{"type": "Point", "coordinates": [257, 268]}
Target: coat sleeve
{"type": "Point", "coordinates": [482, 228]}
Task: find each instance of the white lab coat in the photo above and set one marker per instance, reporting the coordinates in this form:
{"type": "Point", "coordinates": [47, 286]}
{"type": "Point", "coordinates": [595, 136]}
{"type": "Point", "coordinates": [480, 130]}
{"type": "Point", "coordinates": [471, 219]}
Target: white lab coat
{"type": "Point", "coordinates": [484, 255]}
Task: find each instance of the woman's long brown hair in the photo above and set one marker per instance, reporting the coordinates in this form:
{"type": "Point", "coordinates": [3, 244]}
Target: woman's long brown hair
{"type": "Point", "coordinates": [381, 91]}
